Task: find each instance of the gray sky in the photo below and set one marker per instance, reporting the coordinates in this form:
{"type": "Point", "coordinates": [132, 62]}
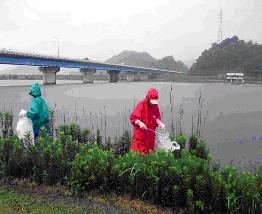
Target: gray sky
{"type": "Point", "coordinates": [99, 29]}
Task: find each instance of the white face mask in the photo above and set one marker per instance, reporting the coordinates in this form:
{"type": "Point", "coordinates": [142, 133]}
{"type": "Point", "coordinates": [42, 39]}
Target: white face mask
{"type": "Point", "coordinates": [154, 102]}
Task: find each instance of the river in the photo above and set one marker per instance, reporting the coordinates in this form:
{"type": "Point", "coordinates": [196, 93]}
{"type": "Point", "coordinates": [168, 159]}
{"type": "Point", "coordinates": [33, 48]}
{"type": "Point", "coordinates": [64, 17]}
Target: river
{"type": "Point", "coordinates": [233, 127]}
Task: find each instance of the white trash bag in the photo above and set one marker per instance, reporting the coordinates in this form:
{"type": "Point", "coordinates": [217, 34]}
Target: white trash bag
{"type": "Point", "coordinates": [163, 142]}
{"type": "Point", "coordinates": [24, 126]}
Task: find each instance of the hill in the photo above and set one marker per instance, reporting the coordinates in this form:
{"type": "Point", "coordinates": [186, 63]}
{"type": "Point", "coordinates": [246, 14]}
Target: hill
{"type": "Point", "coordinates": [133, 58]}
{"type": "Point", "coordinates": [168, 63]}
{"type": "Point", "coordinates": [231, 55]}
{"type": "Point", "coordinates": [144, 59]}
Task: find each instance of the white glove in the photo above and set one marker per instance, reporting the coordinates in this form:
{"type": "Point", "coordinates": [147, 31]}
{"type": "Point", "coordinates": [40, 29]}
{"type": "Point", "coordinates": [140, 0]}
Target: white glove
{"type": "Point", "coordinates": [160, 124]}
{"type": "Point", "coordinates": [141, 124]}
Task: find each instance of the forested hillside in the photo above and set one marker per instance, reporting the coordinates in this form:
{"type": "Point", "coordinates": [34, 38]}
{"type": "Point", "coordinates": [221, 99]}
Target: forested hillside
{"type": "Point", "coordinates": [231, 55]}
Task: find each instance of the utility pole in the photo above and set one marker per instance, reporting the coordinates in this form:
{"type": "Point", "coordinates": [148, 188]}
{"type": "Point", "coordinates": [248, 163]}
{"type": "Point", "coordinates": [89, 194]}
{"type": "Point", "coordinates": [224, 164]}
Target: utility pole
{"type": "Point", "coordinates": [220, 28]}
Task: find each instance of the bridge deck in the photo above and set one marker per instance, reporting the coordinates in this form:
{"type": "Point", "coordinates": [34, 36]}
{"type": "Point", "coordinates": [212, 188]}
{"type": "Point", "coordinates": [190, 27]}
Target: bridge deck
{"type": "Point", "coordinates": [18, 58]}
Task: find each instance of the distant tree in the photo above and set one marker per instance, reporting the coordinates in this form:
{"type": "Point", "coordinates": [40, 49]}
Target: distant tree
{"type": "Point", "coordinates": [230, 55]}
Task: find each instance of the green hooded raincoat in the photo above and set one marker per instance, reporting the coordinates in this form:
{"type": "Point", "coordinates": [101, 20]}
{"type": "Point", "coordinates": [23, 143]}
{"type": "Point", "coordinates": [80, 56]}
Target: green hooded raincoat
{"type": "Point", "coordinates": [38, 111]}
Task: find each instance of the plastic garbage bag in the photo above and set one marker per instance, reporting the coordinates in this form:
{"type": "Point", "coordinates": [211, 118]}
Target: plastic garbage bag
{"type": "Point", "coordinates": [24, 126]}
{"type": "Point", "coordinates": [163, 142]}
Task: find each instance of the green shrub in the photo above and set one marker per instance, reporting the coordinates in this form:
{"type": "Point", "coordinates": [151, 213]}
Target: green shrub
{"type": "Point", "coordinates": [164, 172]}
{"type": "Point", "coordinates": [181, 140]}
{"type": "Point", "coordinates": [86, 136]}
{"type": "Point", "coordinates": [91, 169]}
{"type": "Point", "coordinates": [122, 145]}
{"type": "Point", "coordinates": [72, 130]}
{"type": "Point", "coordinates": [48, 160]}
{"type": "Point", "coordinates": [215, 166]}
{"type": "Point", "coordinates": [99, 140]}
{"type": "Point", "coordinates": [248, 193]}
{"type": "Point", "coordinates": [11, 151]}
{"type": "Point", "coordinates": [51, 123]}
{"type": "Point", "coordinates": [193, 142]}
{"type": "Point", "coordinates": [202, 151]}
{"type": "Point", "coordinates": [231, 183]}
{"type": "Point", "coordinates": [6, 124]}
{"type": "Point", "coordinates": [218, 191]}
{"type": "Point", "coordinates": [127, 169]}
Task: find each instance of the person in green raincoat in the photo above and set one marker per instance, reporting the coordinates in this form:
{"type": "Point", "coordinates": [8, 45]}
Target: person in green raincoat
{"type": "Point", "coordinates": [38, 111]}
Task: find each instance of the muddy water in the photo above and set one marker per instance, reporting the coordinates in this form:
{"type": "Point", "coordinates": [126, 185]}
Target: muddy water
{"type": "Point", "coordinates": [233, 126]}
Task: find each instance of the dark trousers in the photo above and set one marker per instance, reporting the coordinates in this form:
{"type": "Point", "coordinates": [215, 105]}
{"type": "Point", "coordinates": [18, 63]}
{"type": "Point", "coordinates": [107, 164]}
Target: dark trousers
{"type": "Point", "coordinates": [36, 131]}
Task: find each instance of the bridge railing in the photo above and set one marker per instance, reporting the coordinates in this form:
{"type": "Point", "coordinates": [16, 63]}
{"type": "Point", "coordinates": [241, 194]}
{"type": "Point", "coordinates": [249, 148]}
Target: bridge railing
{"type": "Point", "coordinates": [94, 63]}
{"type": "Point", "coordinates": [32, 54]}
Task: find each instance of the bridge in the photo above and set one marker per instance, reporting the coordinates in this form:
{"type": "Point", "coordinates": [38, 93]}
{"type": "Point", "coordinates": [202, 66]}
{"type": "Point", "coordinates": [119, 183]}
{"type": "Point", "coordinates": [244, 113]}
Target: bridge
{"type": "Point", "coordinates": [50, 65]}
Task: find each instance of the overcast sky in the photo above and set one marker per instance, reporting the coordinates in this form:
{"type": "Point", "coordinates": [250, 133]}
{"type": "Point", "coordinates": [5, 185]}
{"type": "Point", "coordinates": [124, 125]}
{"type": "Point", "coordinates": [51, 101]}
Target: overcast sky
{"type": "Point", "coordinates": [99, 29]}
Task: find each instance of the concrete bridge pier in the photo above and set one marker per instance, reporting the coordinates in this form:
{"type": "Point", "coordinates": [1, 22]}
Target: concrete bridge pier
{"type": "Point", "coordinates": [153, 76]}
{"type": "Point", "coordinates": [143, 76]}
{"type": "Point", "coordinates": [136, 77]}
{"type": "Point", "coordinates": [130, 77]}
{"type": "Point", "coordinates": [88, 75]}
{"type": "Point", "coordinates": [49, 74]}
{"type": "Point", "coordinates": [113, 76]}
{"type": "Point", "coordinates": [133, 77]}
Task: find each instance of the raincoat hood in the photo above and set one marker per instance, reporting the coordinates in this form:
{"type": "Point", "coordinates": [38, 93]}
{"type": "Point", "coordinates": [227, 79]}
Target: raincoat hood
{"type": "Point", "coordinates": [35, 90]}
{"type": "Point", "coordinates": [152, 94]}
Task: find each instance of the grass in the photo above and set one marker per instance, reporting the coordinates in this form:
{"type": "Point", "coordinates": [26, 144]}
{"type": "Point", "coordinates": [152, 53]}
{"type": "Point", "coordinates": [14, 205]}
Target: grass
{"type": "Point", "coordinates": [24, 196]}
{"type": "Point", "coordinates": [15, 202]}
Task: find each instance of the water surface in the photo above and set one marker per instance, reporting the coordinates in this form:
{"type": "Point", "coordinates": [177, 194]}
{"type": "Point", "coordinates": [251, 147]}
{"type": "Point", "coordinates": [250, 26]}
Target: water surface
{"type": "Point", "coordinates": [233, 127]}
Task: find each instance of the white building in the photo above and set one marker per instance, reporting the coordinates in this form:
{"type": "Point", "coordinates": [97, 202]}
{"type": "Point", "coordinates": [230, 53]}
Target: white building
{"type": "Point", "coordinates": [235, 77]}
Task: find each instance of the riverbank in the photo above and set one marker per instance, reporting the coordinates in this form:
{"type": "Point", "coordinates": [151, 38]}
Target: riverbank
{"type": "Point", "coordinates": [77, 159]}
{"type": "Point", "coordinates": [184, 78]}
